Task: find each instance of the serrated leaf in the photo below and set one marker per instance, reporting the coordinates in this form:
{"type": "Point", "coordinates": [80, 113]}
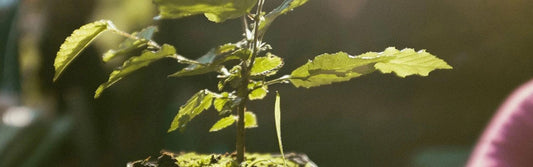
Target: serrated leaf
{"type": "Point", "coordinates": [129, 45]}
{"type": "Point", "coordinates": [215, 10]}
{"type": "Point", "coordinates": [410, 62]}
{"type": "Point", "coordinates": [267, 65]}
{"type": "Point", "coordinates": [285, 7]}
{"type": "Point", "coordinates": [330, 68]}
{"type": "Point", "coordinates": [258, 91]}
{"type": "Point", "coordinates": [221, 101]}
{"type": "Point", "coordinates": [76, 42]}
{"type": "Point", "coordinates": [224, 104]}
{"type": "Point", "coordinates": [223, 123]}
{"type": "Point", "coordinates": [250, 120]}
{"type": "Point", "coordinates": [133, 64]}
{"type": "Point", "coordinates": [195, 105]}
{"type": "Point", "coordinates": [277, 120]}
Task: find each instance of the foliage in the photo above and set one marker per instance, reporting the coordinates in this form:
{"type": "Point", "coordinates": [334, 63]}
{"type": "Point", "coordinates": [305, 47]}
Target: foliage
{"type": "Point", "coordinates": [216, 11]}
{"type": "Point", "coordinates": [328, 68]}
{"type": "Point", "coordinates": [76, 42]}
{"type": "Point", "coordinates": [250, 78]}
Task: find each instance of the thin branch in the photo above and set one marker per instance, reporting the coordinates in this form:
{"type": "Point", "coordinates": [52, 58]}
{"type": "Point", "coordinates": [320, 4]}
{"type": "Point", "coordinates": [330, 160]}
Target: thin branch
{"type": "Point", "coordinates": [127, 35]}
{"type": "Point", "coordinates": [283, 79]}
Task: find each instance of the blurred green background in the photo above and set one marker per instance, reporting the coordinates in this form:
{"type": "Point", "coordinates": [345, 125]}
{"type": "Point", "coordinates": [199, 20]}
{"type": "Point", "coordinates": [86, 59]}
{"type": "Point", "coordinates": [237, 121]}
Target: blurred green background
{"type": "Point", "coordinates": [375, 120]}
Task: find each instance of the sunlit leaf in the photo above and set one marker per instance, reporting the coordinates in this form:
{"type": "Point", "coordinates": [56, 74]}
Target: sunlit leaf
{"type": "Point", "coordinates": [223, 123]}
{"type": "Point", "coordinates": [250, 120]}
{"type": "Point", "coordinates": [215, 10]}
{"type": "Point", "coordinates": [329, 68]}
{"type": "Point", "coordinates": [410, 62]}
{"type": "Point", "coordinates": [133, 64]}
{"type": "Point", "coordinates": [277, 120]}
{"type": "Point", "coordinates": [225, 103]}
{"type": "Point", "coordinates": [258, 90]}
{"type": "Point", "coordinates": [129, 45]}
{"type": "Point", "coordinates": [267, 65]}
{"type": "Point", "coordinates": [195, 105]}
{"type": "Point", "coordinates": [221, 101]}
{"type": "Point", "coordinates": [76, 42]}
{"type": "Point", "coordinates": [285, 7]}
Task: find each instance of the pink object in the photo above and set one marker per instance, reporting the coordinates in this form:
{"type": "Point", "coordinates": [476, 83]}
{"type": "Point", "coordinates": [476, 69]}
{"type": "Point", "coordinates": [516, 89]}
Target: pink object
{"type": "Point", "coordinates": [508, 140]}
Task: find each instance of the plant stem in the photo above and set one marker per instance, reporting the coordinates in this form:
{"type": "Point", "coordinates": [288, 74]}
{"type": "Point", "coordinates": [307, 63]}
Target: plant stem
{"type": "Point", "coordinates": [283, 79]}
{"type": "Point", "coordinates": [243, 91]}
{"type": "Point", "coordinates": [127, 35]}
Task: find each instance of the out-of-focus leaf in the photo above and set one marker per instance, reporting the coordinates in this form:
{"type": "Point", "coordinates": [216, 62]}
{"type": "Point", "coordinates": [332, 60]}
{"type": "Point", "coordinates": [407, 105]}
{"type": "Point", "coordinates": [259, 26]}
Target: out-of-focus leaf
{"type": "Point", "coordinates": [195, 105]}
{"type": "Point", "coordinates": [250, 120]}
{"type": "Point", "coordinates": [135, 63]}
{"type": "Point", "coordinates": [410, 62]}
{"type": "Point", "coordinates": [215, 10]}
{"type": "Point", "coordinates": [286, 6]}
{"type": "Point", "coordinates": [129, 45]}
{"type": "Point", "coordinates": [329, 68]}
{"type": "Point", "coordinates": [76, 42]}
{"type": "Point", "coordinates": [277, 120]}
{"type": "Point", "coordinates": [223, 123]}
{"type": "Point", "coordinates": [267, 65]}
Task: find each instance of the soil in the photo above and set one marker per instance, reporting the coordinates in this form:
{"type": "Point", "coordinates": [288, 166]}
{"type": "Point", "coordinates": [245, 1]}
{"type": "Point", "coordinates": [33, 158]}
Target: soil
{"type": "Point", "coordinates": [170, 159]}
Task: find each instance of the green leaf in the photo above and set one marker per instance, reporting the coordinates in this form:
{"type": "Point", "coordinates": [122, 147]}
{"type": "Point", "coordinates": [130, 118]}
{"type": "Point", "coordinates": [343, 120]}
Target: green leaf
{"type": "Point", "coordinates": [211, 61]}
{"type": "Point", "coordinates": [329, 68]}
{"type": "Point", "coordinates": [258, 91]}
{"type": "Point", "coordinates": [133, 64]}
{"type": "Point", "coordinates": [277, 119]}
{"type": "Point", "coordinates": [76, 42]}
{"type": "Point", "coordinates": [234, 79]}
{"type": "Point", "coordinates": [285, 7]}
{"type": "Point", "coordinates": [129, 45]}
{"type": "Point", "coordinates": [267, 65]}
{"type": "Point", "coordinates": [215, 10]}
{"type": "Point", "coordinates": [225, 103]}
{"type": "Point", "coordinates": [250, 120]}
{"type": "Point", "coordinates": [221, 101]}
{"type": "Point", "coordinates": [226, 48]}
{"type": "Point", "coordinates": [195, 105]}
{"type": "Point", "coordinates": [223, 123]}
{"type": "Point", "coordinates": [410, 62]}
